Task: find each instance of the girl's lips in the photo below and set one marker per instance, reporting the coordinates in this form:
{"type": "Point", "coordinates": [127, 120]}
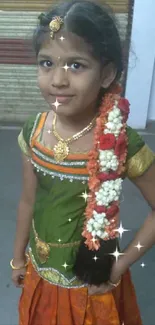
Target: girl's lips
{"type": "Point", "coordinates": [63, 99]}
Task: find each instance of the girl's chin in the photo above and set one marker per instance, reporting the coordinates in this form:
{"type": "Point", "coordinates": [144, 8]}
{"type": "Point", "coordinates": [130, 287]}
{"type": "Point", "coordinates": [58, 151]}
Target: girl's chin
{"type": "Point", "coordinates": [63, 109]}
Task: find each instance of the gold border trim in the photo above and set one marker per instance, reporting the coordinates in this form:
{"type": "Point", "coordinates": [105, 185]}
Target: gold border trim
{"type": "Point", "coordinates": [53, 276]}
{"type": "Point", "coordinates": [23, 145]}
{"type": "Point", "coordinates": [140, 162]}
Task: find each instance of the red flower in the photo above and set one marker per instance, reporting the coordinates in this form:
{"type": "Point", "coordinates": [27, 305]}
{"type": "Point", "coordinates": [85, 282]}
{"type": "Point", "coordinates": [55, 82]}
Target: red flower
{"type": "Point", "coordinates": [100, 209]}
{"type": "Point", "coordinates": [107, 141]}
{"type": "Point", "coordinates": [124, 106]}
{"type": "Point", "coordinates": [116, 89]}
{"type": "Point", "coordinates": [121, 145]}
{"type": "Point", "coordinates": [93, 155]}
{"type": "Point", "coordinates": [93, 183]}
{"type": "Point", "coordinates": [112, 211]}
{"type": "Point", "coordinates": [92, 166]}
{"type": "Point", "coordinates": [107, 177]}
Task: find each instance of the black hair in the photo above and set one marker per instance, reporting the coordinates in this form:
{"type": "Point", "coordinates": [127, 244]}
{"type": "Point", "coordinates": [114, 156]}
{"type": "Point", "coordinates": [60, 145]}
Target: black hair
{"type": "Point", "coordinates": [94, 23]}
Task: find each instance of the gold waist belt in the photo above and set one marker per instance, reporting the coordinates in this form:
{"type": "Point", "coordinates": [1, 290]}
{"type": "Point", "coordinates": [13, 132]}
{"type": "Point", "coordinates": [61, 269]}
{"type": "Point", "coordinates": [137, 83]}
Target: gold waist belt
{"type": "Point", "coordinates": [43, 248]}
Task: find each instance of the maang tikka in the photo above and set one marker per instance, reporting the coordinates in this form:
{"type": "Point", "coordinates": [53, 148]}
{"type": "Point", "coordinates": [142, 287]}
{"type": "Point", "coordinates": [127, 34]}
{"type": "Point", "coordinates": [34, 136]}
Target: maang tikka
{"type": "Point", "coordinates": [55, 25]}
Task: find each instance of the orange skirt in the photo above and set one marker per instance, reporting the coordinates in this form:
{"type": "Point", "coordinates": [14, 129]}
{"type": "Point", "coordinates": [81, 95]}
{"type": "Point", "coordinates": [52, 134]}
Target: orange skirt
{"type": "Point", "coordinates": [42, 303]}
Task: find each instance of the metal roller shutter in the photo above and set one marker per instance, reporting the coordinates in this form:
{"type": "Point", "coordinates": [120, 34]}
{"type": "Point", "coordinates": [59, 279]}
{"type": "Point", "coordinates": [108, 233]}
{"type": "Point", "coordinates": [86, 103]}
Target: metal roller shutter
{"type": "Point", "coordinates": [39, 5]}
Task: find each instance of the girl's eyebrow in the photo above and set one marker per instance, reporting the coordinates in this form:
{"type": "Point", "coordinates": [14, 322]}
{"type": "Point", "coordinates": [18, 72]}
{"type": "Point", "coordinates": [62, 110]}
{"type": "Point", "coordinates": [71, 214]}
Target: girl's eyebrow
{"type": "Point", "coordinates": [70, 58]}
{"type": "Point", "coordinates": [44, 56]}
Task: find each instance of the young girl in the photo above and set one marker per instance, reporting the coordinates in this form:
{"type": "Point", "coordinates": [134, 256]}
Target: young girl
{"type": "Point", "coordinates": [75, 157]}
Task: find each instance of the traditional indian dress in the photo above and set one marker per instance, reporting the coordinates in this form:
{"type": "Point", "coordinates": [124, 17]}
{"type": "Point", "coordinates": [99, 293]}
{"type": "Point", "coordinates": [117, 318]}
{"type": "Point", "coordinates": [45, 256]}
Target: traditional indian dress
{"type": "Point", "coordinates": [52, 294]}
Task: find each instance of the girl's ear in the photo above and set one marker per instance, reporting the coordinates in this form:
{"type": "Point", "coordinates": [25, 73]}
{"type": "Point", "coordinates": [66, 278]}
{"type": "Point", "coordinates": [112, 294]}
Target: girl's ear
{"type": "Point", "coordinates": [109, 73]}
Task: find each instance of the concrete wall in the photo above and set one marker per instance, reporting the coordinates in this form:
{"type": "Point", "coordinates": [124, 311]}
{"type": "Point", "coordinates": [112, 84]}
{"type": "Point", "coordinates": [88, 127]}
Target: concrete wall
{"type": "Point", "coordinates": [141, 65]}
{"type": "Point", "coordinates": [151, 113]}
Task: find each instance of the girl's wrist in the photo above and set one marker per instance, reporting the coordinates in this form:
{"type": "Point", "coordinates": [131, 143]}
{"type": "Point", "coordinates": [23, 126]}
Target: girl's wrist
{"type": "Point", "coordinates": [114, 284]}
{"type": "Point", "coordinates": [20, 258]}
{"type": "Point", "coordinates": [18, 263]}
{"type": "Point", "coordinates": [118, 270]}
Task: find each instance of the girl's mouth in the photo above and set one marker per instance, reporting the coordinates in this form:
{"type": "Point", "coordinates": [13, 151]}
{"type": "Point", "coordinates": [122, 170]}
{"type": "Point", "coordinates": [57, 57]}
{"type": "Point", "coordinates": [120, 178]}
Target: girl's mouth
{"type": "Point", "coordinates": [62, 98]}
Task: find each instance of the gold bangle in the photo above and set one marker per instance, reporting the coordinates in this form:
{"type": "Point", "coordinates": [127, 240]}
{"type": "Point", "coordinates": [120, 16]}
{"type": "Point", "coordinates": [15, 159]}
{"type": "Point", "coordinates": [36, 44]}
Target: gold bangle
{"type": "Point", "coordinates": [114, 284]}
{"type": "Point", "coordinates": [21, 267]}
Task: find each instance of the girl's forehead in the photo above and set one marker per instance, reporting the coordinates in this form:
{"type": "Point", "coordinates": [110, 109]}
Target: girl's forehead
{"type": "Point", "coordinates": [66, 43]}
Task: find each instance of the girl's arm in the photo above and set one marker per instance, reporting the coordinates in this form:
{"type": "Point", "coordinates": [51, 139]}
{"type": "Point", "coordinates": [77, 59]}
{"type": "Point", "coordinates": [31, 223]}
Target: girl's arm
{"type": "Point", "coordinates": [146, 234]}
{"type": "Point", "coordinates": [25, 212]}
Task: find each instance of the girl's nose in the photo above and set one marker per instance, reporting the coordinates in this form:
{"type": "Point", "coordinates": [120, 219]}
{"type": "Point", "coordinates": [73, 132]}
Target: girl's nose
{"type": "Point", "coordinates": [59, 77]}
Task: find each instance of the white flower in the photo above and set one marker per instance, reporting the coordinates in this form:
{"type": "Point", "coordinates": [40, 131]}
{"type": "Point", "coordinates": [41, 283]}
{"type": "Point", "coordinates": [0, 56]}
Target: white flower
{"type": "Point", "coordinates": [107, 223]}
{"type": "Point", "coordinates": [110, 126]}
{"type": "Point", "coordinates": [100, 221]}
{"type": "Point", "coordinates": [99, 216]}
{"type": "Point", "coordinates": [89, 227]}
{"type": "Point", "coordinates": [106, 131]}
{"type": "Point", "coordinates": [117, 120]}
{"type": "Point", "coordinates": [99, 233]}
{"type": "Point", "coordinates": [104, 235]}
{"type": "Point", "coordinates": [94, 233]}
{"type": "Point", "coordinates": [108, 160]}
{"type": "Point", "coordinates": [109, 192]}
{"type": "Point", "coordinates": [114, 123]}
{"type": "Point", "coordinates": [97, 226]}
{"type": "Point", "coordinates": [91, 221]}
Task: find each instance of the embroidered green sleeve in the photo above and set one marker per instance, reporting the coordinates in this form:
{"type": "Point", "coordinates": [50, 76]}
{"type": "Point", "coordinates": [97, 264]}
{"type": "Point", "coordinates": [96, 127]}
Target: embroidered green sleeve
{"type": "Point", "coordinates": [24, 136]}
{"type": "Point", "coordinates": [140, 157]}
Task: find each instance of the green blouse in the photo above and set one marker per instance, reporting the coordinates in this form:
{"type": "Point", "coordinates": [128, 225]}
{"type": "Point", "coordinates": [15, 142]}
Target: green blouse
{"type": "Point", "coordinates": [59, 208]}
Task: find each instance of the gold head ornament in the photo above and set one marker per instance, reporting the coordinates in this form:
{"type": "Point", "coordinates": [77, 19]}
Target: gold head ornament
{"type": "Point", "coordinates": [55, 25]}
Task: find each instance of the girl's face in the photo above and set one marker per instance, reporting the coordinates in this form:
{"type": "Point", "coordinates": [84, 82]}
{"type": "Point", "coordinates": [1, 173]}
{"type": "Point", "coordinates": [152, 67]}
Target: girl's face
{"type": "Point", "coordinates": [68, 72]}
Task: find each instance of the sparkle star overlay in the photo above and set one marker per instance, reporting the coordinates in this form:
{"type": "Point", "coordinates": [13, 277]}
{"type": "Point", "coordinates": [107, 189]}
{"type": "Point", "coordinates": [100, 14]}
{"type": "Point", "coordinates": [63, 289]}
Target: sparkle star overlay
{"type": "Point", "coordinates": [65, 265]}
{"type": "Point", "coordinates": [85, 196]}
{"type": "Point", "coordinates": [95, 258]}
{"type": "Point", "coordinates": [143, 265]}
{"type": "Point", "coordinates": [66, 67]}
{"type": "Point", "coordinates": [49, 131]}
{"type": "Point", "coordinates": [116, 254]}
{"type": "Point", "coordinates": [93, 239]}
{"type": "Point", "coordinates": [62, 38]}
{"type": "Point", "coordinates": [139, 246]}
{"type": "Point", "coordinates": [56, 104]}
{"type": "Point", "coordinates": [121, 230]}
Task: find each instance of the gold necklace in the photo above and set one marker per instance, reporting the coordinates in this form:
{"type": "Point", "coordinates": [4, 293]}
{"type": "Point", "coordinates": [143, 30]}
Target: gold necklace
{"type": "Point", "coordinates": [61, 149]}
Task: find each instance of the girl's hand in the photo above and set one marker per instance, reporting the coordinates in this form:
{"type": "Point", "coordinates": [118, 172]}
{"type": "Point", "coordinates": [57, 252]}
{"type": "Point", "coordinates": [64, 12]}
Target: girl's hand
{"type": "Point", "coordinates": [100, 290]}
{"type": "Point", "coordinates": [115, 278]}
{"type": "Point", "coordinates": [19, 275]}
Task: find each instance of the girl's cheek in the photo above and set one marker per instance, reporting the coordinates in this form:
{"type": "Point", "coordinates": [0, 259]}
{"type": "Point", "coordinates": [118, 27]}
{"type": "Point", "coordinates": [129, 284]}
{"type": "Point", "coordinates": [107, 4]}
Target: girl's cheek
{"type": "Point", "coordinates": [41, 82]}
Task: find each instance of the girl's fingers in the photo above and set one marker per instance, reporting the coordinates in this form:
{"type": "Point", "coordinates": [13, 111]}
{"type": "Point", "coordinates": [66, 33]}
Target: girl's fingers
{"type": "Point", "coordinates": [18, 281]}
{"type": "Point", "coordinates": [93, 290]}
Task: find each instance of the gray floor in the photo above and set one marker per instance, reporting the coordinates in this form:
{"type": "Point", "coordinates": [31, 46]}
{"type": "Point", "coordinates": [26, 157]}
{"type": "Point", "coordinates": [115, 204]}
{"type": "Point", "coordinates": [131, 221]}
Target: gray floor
{"type": "Point", "coordinates": [133, 213]}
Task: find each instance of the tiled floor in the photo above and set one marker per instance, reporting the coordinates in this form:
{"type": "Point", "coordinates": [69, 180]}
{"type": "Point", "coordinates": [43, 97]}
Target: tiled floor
{"type": "Point", "coordinates": [133, 213]}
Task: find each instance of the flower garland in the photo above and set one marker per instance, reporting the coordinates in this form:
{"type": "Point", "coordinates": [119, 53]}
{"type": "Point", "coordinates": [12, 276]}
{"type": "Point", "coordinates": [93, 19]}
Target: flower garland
{"type": "Point", "coordinates": [105, 167]}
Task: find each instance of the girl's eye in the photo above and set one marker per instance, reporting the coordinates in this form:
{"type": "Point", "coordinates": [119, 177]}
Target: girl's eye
{"type": "Point", "coordinates": [76, 66]}
{"type": "Point", "coordinates": [45, 64]}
